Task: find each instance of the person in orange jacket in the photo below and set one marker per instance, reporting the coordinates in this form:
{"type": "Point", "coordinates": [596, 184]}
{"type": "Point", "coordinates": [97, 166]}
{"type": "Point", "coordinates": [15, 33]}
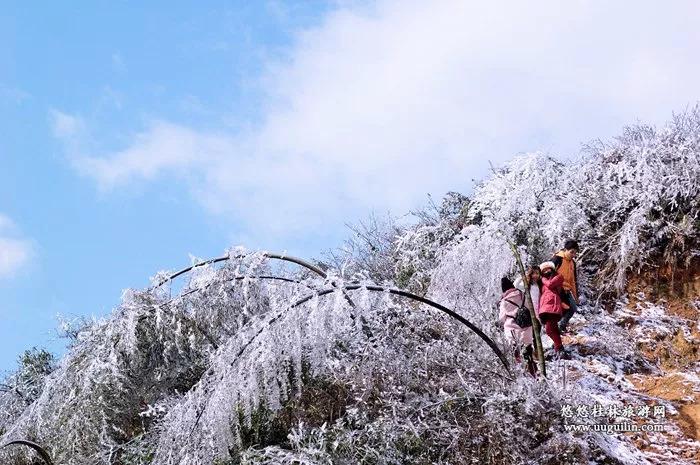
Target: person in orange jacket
{"type": "Point", "coordinates": [565, 264]}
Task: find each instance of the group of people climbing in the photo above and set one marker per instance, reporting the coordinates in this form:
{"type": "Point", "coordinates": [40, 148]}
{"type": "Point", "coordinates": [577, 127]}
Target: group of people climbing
{"type": "Point", "coordinates": [553, 287]}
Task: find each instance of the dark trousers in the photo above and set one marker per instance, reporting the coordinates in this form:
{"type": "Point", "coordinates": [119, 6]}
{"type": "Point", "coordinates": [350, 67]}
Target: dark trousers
{"type": "Point", "coordinates": [568, 299]}
{"type": "Point", "coordinates": [529, 359]}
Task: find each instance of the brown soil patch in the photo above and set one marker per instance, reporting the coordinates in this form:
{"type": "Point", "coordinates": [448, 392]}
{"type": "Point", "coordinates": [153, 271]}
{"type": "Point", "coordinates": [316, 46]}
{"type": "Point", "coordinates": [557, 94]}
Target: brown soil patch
{"type": "Point", "coordinates": [679, 286]}
{"type": "Point", "coordinates": [689, 420]}
{"type": "Point", "coordinates": [677, 291]}
{"type": "Point", "coordinates": [677, 389]}
{"type": "Point", "coordinates": [570, 339]}
{"type": "Point", "coordinates": [672, 352]}
{"type": "Point", "coordinates": [682, 308]}
{"type": "Point", "coordinates": [683, 352]}
{"type": "Point", "coordinates": [673, 387]}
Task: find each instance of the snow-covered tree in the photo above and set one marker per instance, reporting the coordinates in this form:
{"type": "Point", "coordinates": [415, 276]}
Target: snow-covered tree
{"type": "Point", "coordinates": [246, 363]}
{"type": "Point", "coordinates": [640, 195]}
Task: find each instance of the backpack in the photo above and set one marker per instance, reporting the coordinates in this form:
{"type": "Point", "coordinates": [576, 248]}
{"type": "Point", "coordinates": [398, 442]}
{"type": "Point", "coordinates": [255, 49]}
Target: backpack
{"type": "Point", "coordinates": [522, 317]}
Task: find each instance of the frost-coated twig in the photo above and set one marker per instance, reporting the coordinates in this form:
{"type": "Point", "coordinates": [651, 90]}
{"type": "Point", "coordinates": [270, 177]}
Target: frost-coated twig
{"type": "Point", "coordinates": [39, 450]}
{"type": "Point", "coordinates": [409, 295]}
{"type": "Point", "coordinates": [238, 278]}
{"type": "Point", "coordinates": [12, 389]}
{"type": "Point", "coordinates": [196, 325]}
{"type": "Point", "coordinates": [270, 255]}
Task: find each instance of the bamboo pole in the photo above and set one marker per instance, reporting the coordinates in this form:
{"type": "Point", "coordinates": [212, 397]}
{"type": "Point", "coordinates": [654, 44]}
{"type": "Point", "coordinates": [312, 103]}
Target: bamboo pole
{"type": "Point", "coordinates": [531, 308]}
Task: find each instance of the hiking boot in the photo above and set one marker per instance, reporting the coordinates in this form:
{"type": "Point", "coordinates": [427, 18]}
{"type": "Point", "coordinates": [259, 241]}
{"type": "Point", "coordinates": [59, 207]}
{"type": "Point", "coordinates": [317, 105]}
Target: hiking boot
{"type": "Point", "coordinates": [562, 354]}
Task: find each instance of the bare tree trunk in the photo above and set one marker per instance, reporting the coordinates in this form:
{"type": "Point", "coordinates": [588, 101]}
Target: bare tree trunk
{"type": "Point", "coordinates": [531, 308]}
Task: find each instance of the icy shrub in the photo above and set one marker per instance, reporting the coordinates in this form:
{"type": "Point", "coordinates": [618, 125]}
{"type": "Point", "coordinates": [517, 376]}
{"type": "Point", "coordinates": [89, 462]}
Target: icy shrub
{"type": "Point", "coordinates": [641, 196]}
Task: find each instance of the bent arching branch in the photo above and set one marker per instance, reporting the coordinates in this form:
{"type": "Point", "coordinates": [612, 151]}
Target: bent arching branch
{"type": "Point", "coordinates": [190, 268]}
{"type": "Point", "coordinates": [240, 278]}
{"type": "Point", "coordinates": [374, 288]}
{"type": "Point", "coordinates": [406, 294]}
{"type": "Point", "coordinates": [351, 287]}
{"type": "Point", "coordinates": [271, 255]}
{"type": "Point", "coordinates": [409, 295]}
{"type": "Point", "coordinates": [39, 450]}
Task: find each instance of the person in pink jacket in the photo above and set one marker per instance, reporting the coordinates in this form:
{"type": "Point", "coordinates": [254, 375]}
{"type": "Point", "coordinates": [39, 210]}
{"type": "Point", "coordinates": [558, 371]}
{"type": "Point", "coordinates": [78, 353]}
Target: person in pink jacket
{"type": "Point", "coordinates": [511, 300]}
{"type": "Point", "coordinates": [549, 311]}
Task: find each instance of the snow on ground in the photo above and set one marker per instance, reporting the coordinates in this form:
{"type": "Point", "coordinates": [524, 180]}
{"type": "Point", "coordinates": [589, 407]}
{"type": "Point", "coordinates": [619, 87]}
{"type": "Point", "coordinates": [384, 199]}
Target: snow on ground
{"type": "Point", "coordinates": [609, 367]}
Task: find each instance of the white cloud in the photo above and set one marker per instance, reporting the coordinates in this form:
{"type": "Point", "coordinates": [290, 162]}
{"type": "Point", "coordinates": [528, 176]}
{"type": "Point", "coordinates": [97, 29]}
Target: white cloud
{"type": "Point", "coordinates": [381, 104]}
{"type": "Point", "coordinates": [13, 94]}
{"type": "Point", "coordinates": [65, 126]}
{"type": "Point", "coordinates": [111, 98]}
{"type": "Point", "coordinates": [118, 64]}
{"type": "Point", "coordinates": [15, 251]}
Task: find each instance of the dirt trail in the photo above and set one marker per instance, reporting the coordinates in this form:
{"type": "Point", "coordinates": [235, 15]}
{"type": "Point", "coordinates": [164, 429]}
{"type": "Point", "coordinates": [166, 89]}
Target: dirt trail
{"type": "Point", "coordinates": [662, 368]}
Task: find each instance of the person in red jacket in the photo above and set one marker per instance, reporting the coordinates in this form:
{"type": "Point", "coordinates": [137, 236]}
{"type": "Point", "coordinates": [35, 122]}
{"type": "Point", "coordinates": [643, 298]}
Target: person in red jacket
{"type": "Point", "coordinates": [549, 311]}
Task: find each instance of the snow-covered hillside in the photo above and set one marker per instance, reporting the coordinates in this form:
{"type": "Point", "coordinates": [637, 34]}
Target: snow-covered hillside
{"type": "Point", "coordinates": [229, 364]}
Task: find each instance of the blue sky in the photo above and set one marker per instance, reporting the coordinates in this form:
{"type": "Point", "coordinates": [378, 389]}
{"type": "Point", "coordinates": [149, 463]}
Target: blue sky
{"type": "Point", "coordinates": [117, 66]}
{"type": "Point", "coordinates": [132, 135]}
